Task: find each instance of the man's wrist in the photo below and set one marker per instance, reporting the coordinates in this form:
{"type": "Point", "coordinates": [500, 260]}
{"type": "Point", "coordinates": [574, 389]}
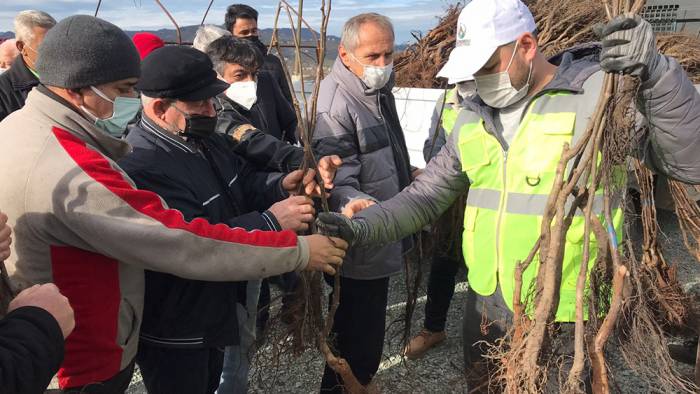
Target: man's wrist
{"type": "Point", "coordinates": [284, 193]}
{"type": "Point", "coordinates": [655, 71]}
{"type": "Point", "coordinates": [271, 220]}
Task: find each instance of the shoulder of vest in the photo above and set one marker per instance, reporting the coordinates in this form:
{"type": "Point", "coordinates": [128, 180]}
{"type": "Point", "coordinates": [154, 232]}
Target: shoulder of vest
{"type": "Point", "coordinates": [463, 118]}
{"type": "Point", "coordinates": [593, 84]}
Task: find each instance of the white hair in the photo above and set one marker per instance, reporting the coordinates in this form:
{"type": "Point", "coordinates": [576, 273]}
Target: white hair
{"type": "Point", "coordinates": [351, 30]}
{"type": "Point", "coordinates": [145, 100]}
{"type": "Point", "coordinates": [206, 35]}
{"type": "Point", "coordinates": [27, 20]}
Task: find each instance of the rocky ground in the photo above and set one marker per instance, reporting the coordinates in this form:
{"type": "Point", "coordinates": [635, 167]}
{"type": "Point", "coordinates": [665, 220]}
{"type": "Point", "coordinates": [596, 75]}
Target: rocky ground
{"type": "Point", "coordinates": [440, 371]}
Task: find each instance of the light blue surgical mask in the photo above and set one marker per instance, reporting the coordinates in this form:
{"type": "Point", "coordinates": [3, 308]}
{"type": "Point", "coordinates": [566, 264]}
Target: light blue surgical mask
{"type": "Point", "coordinates": [124, 110]}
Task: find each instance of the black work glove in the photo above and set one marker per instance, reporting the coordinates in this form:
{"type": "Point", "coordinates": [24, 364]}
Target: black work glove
{"type": "Point", "coordinates": [338, 225]}
{"type": "Point", "coordinates": [629, 47]}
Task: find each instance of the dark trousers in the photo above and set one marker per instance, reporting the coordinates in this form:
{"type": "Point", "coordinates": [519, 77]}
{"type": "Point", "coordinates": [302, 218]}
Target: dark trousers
{"type": "Point", "coordinates": [115, 385]}
{"type": "Point", "coordinates": [358, 329]}
{"type": "Point", "coordinates": [175, 371]}
{"type": "Point", "coordinates": [441, 288]}
{"type": "Point", "coordinates": [487, 319]}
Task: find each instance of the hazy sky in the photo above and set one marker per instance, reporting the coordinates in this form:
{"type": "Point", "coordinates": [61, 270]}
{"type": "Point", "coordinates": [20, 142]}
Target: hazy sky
{"type": "Point", "coordinates": [407, 15]}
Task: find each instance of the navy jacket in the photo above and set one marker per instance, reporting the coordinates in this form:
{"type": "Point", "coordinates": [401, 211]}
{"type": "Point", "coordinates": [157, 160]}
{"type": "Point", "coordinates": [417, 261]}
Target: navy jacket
{"type": "Point", "coordinates": [201, 179]}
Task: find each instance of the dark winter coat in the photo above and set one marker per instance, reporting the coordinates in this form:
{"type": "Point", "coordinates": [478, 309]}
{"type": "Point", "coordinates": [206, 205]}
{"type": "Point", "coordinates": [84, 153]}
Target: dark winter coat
{"type": "Point", "coordinates": [201, 179]}
{"type": "Point", "coordinates": [15, 84]}
{"type": "Point", "coordinates": [273, 66]}
{"type": "Point", "coordinates": [31, 350]}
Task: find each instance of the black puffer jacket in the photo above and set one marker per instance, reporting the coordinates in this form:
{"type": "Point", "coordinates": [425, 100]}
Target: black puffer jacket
{"type": "Point", "coordinates": [15, 84]}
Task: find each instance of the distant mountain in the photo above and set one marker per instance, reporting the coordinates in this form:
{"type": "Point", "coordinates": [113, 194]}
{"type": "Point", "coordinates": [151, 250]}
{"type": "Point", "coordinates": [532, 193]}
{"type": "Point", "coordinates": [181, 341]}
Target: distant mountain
{"type": "Point", "coordinates": [188, 32]}
{"type": "Point", "coordinates": [285, 35]}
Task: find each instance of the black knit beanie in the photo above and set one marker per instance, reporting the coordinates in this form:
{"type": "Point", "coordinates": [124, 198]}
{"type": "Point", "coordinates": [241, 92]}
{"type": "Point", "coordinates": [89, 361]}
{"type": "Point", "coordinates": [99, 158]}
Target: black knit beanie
{"type": "Point", "coordinates": [82, 51]}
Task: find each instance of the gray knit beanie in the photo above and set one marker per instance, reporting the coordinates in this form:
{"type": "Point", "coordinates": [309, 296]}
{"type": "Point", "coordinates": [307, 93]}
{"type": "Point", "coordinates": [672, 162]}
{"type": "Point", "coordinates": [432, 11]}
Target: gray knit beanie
{"type": "Point", "coordinates": [82, 51]}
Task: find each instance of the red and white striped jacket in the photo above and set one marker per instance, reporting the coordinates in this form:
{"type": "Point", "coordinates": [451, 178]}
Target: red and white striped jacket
{"type": "Point", "coordinates": [80, 222]}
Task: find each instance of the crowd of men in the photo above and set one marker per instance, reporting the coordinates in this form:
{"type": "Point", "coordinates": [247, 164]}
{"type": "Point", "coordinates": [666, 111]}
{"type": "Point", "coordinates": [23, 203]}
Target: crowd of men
{"type": "Point", "coordinates": [151, 192]}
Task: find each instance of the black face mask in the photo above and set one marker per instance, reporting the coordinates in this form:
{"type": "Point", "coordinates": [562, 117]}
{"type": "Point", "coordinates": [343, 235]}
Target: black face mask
{"type": "Point", "coordinates": [199, 126]}
{"type": "Point", "coordinates": [256, 40]}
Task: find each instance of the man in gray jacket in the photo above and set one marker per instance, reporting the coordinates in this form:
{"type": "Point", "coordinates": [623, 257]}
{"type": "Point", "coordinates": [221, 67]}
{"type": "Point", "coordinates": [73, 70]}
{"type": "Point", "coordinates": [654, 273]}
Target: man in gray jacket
{"type": "Point", "coordinates": [357, 120]}
{"type": "Point", "coordinates": [543, 94]}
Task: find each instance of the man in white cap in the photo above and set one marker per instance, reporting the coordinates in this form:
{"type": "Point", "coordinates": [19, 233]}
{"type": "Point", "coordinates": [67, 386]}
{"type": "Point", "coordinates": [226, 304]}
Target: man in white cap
{"type": "Point", "coordinates": [507, 141]}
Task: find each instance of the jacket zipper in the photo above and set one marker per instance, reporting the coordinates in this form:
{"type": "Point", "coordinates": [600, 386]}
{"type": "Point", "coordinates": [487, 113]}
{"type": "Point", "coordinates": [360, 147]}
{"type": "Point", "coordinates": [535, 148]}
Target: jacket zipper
{"type": "Point", "coordinates": [387, 131]}
{"type": "Point", "coordinates": [504, 188]}
{"type": "Point", "coordinates": [501, 208]}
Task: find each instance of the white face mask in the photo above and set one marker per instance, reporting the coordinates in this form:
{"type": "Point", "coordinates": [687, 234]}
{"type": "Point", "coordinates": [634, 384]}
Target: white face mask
{"type": "Point", "coordinates": [243, 93]}
{"type": "Point", "coordinates": [496, 89]}
{"type": "Point", "coordinates": [2, 70]}
{"type": "Point", "coordinates": [375, 77]}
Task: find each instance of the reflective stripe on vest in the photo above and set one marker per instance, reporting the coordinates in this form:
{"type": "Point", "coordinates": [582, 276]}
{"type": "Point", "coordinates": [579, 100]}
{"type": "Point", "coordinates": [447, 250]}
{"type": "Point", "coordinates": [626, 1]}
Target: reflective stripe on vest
{"type": "Point", "coordinates": [508, 193]}
{"type": "Point", "coordinates": [449, 113]}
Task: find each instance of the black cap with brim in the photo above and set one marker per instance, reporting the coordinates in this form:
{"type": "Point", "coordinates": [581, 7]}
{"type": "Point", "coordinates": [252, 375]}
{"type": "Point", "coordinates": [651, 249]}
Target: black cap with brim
{"type": "Point", "coordinates": [180, 73]}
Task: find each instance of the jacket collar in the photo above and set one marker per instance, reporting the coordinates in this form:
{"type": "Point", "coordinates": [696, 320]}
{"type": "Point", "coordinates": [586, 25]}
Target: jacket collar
{"type": "Point", "coordinates": [63, 115]}
{"type": "Point", "coordinates": [173, 140]}
{"type": "Point", "coordinates": [21, 78]}
{"type": "Point", "coordinates": [354, 85]}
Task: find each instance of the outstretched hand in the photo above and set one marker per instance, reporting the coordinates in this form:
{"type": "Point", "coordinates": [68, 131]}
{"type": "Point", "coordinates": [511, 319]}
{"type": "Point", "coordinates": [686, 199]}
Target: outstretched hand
{"type": "Point", "coordinates": [50, 299]}
{"type": "Point", "coordinates": [327, 167]}
{"type": "Point", "coordinates": [337, 225]}
{"type": "Point", "coordinates": [294, 179]}
{"type": "Point", "coordinates": [355, 206]}
{"type": "Point", "coordinates": [325, 253]}
{"type": "Point", "coordinates": [294, 213]}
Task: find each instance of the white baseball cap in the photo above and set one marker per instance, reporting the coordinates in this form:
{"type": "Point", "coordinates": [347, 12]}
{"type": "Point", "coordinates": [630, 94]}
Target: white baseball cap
{"type": "Point", "coordinates": [483, 26]}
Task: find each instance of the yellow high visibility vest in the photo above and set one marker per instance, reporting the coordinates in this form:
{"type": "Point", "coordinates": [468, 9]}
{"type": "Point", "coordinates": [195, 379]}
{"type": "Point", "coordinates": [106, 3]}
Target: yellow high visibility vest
{"type": "Point", "coordinates": [449, 113]}
{"type": "Point", "coordinates": [509, 189]}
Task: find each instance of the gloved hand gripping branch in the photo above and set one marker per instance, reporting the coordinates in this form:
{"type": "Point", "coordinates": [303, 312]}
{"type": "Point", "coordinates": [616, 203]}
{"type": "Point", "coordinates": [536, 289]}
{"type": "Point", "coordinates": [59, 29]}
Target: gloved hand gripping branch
{"type": "Point", "coordinates": [629, 47]}
{"type": "Point", "coordinates": [352, 231]}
